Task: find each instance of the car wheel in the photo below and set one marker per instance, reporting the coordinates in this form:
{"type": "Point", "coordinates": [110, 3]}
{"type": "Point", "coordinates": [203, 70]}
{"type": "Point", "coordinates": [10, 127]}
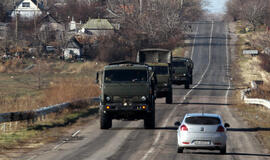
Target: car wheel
{"type": "Point", "coordinates": [223, 150]}
{"type": "Point", "coordinates": [180, 150]}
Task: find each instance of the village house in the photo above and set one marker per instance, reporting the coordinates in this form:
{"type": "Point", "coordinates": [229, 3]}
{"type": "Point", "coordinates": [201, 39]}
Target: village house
{"type": "Point", "coordinates": [51, 29]}
{"type": "Point", "coordinates": [97, 27]}
{"type": "Point", "coordinates": [3, 30]}
{"type": "Point", "coordinates": [27, 9]}
{"type": "Point", "coordinates": [73, 49]}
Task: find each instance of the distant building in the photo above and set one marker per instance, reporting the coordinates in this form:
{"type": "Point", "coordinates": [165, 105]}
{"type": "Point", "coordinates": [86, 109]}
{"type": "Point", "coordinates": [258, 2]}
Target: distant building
{"type": "Point", "coordinates": [73, 49]}
{"type": "Point", "coordinates": [97, 27]}
{"type": "Point", "coordinates": [27, 9]}
{"type": "Point", "coordinates": [3, 30]}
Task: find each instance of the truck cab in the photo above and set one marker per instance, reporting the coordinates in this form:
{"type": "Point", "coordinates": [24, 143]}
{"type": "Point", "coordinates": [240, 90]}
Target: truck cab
{"type": "Point", "coordinates": [182, 71]}
{"type": "Point", "coordinates": [127, 93]}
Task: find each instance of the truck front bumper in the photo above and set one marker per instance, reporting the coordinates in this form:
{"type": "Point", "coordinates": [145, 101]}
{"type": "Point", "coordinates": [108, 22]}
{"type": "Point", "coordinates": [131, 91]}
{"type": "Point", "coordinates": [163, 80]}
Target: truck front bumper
{"type": "Point", "coordinates": [127, 112]}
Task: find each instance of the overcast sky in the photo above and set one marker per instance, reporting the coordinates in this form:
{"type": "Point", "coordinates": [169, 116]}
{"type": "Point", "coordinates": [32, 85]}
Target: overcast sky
{"type": "Point", "coordinates": [216, 6]}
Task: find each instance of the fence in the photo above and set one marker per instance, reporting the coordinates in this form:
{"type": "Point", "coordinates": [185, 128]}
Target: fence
{"type": "Point", "coordinates": [257, 101]}
{"type": "Point", "coordinates": [42, 112]}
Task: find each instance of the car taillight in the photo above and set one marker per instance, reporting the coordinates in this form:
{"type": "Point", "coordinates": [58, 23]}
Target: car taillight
{"type": "Point", "coordinates": [184, 128]}
{"type": "Point", "coordinates": [220, 129]}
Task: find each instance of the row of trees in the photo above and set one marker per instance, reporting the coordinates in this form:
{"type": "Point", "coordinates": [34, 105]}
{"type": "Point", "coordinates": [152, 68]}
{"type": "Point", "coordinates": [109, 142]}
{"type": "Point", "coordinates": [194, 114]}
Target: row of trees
{"type": "Point", "coordinates": [144, 23]}
{"type": "Point", "coordinates": [256, 12]}
{"type": "Point", "coordinates": [151, 23]}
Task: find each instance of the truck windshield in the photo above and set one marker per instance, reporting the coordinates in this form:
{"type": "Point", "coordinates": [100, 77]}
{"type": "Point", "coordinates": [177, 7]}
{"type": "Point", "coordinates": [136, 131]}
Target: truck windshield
{"type": "Point", "coordinates": [179, 64]}
{"type": "Point", "coordinates": [161, 69]}
{"type": "Point", "coordinates": [125, 75]}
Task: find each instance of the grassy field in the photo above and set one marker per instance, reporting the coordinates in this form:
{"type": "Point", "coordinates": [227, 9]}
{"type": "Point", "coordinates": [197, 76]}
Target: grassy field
{"type": "Point", "coordinates": [30, 84]}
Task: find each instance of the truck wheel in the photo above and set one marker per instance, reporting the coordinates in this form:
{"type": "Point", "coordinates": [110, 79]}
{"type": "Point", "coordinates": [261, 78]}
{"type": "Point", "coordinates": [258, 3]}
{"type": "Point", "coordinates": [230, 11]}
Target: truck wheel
{"type": "Point", "coordinates": [149, 121]}
{"type": "Point", "coordinates": [223, 150]}
{"type": "Point", "coordinates": [187, 84]}
{"type": "Point", "coordinates": [169, 97]}
{"type": "Point", "coordinates": [105, 121]}
{"type": "Point", "coordinates": [191, 80]}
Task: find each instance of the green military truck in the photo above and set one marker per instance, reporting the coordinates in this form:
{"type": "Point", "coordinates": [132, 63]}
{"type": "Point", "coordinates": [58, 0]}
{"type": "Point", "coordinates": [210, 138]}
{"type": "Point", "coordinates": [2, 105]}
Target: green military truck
{"type": "Point", "coordinates": [182, 71]}
{"type": "Point", "coordinates": [127, 93]}
{"type": "Point", "coordinates": [160, 60]}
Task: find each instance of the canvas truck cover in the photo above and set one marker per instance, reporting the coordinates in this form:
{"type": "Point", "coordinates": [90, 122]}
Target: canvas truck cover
{"type": "Point", "coordinates": [154, 55]}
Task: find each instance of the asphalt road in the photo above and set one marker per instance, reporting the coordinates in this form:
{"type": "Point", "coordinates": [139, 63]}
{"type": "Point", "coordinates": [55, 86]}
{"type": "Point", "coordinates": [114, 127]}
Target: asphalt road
{"type": "Point", "coordinates": [210, 93]}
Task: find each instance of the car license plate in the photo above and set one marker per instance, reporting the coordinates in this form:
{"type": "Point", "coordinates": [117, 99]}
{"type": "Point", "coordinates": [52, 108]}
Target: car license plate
{"type": "Point", "coordinates": [202, 142]}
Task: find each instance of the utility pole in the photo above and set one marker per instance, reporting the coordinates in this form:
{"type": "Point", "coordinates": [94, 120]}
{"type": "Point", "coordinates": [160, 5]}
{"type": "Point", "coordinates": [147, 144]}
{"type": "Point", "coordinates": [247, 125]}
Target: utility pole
{"type": "Point", "coordinates": [16, 31]}
{"type": "Point", "coordinates": [141, 6]}
{"type": "Point", "coordinates": [182, 2]}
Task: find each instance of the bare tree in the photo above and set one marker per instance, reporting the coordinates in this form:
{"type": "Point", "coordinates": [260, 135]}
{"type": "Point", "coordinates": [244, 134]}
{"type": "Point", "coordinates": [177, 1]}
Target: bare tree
{"type": "Point", "coordinates": [158, 19]}
{"type": "Point", "coordinates": [234, 9]}
{"type": "Point", "coordinates": [254, 12]}
{"type": "Point", "coordinates": [192, 10]}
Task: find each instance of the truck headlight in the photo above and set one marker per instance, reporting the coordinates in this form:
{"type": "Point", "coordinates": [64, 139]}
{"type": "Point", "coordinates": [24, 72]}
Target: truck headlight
{"type": "Point", "coordinates": [143, 98]}
{"type": "Point", "coordinates": [108, 99]}
{"type": "Point", "coordinates": [184, 74]}
{"type": "Point", "coordinates": [165, 84]}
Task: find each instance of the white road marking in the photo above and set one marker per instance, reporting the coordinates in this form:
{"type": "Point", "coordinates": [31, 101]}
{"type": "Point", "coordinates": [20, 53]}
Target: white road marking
{"type": "Point", "coordinates": [194, 41]}
{"type": "Point", "coordinates": [153, 147]}
{"type": "Point", "coordinates": [228, 62]}
{"type": "Point", "coordinates": [64, 141]}
{"type": "Point", "coordinates": [76, 133]}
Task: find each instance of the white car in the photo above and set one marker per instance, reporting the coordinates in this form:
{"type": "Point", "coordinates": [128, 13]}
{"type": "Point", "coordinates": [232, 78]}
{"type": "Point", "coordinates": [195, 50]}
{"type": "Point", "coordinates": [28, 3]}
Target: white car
{"type": "Point", "coordinates": [201, 131]}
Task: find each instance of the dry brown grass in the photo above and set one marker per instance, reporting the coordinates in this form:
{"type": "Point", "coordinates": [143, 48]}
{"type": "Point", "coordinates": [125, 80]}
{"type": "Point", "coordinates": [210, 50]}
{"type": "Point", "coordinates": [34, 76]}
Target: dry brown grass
{"type": "Point", "coordinates": [70, 90]}
{"type": "Point", "coordinates": [248, 69]}
{"type": "Point", "coordinates": [263, 91]}
{"type": "Point", "coordinates": [58, 81]}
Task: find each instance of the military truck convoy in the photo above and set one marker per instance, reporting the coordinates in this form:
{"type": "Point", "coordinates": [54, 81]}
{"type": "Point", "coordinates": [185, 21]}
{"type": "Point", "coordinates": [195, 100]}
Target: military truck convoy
{"type": "Point", "coordinates": [160, 60]}
{"type": "Point", "coordinates": [129, 89]}
{"type": "Point", "coordinates": [182, 71]}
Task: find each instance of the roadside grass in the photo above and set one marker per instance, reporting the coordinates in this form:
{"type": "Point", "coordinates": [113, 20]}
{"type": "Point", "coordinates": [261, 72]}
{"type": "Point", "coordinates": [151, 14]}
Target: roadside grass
{"type": "Point", "coordinates": [33, 135]}
{"type": "Point", "coordinates": [31, 84]}
{"type": "Point", "coordinates": [248, 69]}
{"type": "Point", "coordinates": [45, 84]}
{"type": "Point", "coordinates": [258, 120]}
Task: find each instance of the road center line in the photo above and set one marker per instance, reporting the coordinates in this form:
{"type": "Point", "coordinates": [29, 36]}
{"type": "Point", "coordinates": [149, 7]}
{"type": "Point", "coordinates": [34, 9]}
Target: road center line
{"type": "Point", "coordinates": [194, 41]}
{"type": "Point", "coordinates": [153, 147]}
{"type": "Point", "coordinates": [228, 62]}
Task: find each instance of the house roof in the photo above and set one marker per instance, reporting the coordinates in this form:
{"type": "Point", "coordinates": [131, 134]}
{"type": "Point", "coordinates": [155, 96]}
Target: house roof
{"type": "Point", "coordinates": [48, 19]}
{"type": "Point", "coordinates": [39, 5]}
{"type": "Point", "coordinates": [98, 24]}
{"type": "Point", "coordinates": [73, 43]}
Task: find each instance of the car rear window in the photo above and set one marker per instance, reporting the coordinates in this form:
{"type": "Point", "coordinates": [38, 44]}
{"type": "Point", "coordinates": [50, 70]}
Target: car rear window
{"type": "Point", "coordinates": [203, 120]}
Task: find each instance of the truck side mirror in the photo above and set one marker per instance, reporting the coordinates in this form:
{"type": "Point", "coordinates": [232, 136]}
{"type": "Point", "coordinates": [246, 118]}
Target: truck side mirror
{"type": "Point", "coordinates": [97, 78]}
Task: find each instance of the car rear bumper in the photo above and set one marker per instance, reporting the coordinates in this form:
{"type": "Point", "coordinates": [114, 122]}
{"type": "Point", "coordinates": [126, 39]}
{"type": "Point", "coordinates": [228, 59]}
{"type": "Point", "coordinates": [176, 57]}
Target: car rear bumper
{"type": "Point", "coordinates": [214, 141]}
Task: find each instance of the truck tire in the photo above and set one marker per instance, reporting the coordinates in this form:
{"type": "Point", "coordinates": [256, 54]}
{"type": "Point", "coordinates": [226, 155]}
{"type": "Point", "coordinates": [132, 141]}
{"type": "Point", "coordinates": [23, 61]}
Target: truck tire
{"type": "Point", "coordinates": [223, 150]}
{"type": "Point", "coordinates": [169, 97]}
{"type": "Point", "coordinates": [191, 80]}
{"type": "Point", "coordinates": [187, 84]}
{"type": "Point", "coordinates": [105, 121]}
{"type": "Point", "coordinates": [149, 120]}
